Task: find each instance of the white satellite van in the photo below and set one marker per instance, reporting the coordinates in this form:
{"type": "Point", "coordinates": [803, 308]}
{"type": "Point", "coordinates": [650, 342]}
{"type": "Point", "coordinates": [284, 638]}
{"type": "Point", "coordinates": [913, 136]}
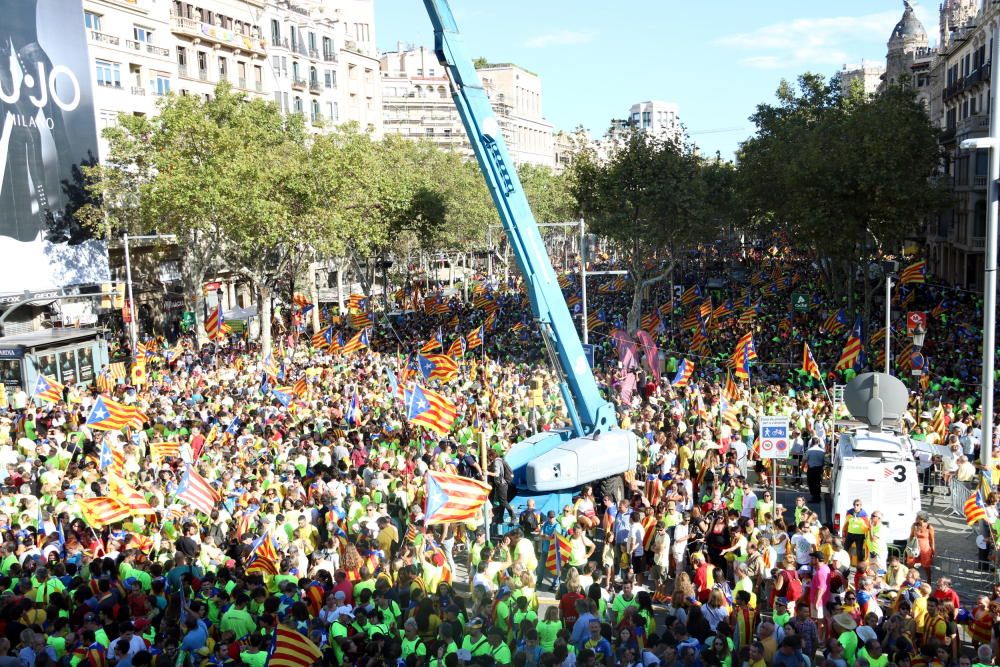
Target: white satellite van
{"type": "Point", "coordinates": [878, 468]}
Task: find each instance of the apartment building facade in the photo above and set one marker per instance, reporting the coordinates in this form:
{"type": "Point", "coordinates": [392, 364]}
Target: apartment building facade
{"type": "Point", "coordinates": [131, 58]}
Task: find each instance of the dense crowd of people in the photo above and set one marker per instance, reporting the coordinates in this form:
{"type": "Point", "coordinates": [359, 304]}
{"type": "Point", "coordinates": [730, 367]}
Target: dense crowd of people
{"type": "Point", "coordinates": [692, 561]}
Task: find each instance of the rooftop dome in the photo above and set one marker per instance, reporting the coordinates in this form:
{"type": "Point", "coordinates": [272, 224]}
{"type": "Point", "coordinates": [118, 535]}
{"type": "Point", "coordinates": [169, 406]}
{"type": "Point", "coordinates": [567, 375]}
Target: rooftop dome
{"type": "Point", "coordinates": [909, 27]}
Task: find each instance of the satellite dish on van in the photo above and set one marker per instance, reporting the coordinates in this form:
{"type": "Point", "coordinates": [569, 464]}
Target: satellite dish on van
{"type": "Point", "coordinates": [874, 397]}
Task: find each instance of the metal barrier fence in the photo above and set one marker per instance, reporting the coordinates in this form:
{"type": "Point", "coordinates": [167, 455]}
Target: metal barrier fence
{"type": "Point", "coordinates": [960, 492]}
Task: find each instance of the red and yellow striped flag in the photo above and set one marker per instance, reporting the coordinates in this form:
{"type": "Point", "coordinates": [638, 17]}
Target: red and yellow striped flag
{"type": "Point", "coordinates": [161, 450]}
{"type": "Point", "coordinates": [293, 649]}
{"type": "Point", "coordinates": [103, 511]}
{"type": "Point", "coordinates": [453, 498]}
{"type": "Point", "coordinates": [559, 553]}
{"type": "Point", "coordinates": [124, 493]}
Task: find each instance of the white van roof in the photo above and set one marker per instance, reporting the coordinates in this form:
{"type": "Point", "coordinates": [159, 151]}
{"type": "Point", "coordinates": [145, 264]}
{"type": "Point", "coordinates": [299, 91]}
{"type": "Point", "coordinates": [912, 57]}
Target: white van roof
{"type": "Point", "coordinates": [868, 443]}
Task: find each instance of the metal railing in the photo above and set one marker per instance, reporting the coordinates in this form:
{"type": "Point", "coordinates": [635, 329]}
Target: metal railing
{"type": "Point", "coordinates": [314, 54]}
{"type": "Point", "coordinates": [298, 83]}
{"type": "Point", "coordinates": [315, 87]}
{"type": "Point", "coordinates": [203, 74]}
{"type": "Point", "coordinates": [136, 90]}
{"type": "Point", "coordinates": [330, 57]}
{"type": "Point", "coordinates": [104, 38]}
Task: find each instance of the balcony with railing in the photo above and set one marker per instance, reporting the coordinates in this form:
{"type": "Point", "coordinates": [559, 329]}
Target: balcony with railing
{"type": "Point", "coordinates": [242, 83]}
{"type": "Point", "coordinates": [315, 87]}
{"type": "Point", "coordinates": [203, 74]}
{"type": "Point", "coordinates": [138, 91]}
{"type": "Point", "coordinates": [330, 57]}
{"type": "Point", "coordinates": [215, 34]}
{"type": "Point", "coordinates": [280, 43]}
{"type": "Point", "coordinates": [104, 38]}
{"type": "Point", "coordinates": [105, 83]}
{"type": "Point", "coordinates": [298, 83]}
{"type": "Point", "coordinates": [147, 47]}
{"type": "Point", "coordinates": [314, 54]}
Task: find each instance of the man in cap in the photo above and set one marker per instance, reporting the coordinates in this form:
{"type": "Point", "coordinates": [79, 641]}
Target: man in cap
{"type": "Point", "coordinates": [475, 642]}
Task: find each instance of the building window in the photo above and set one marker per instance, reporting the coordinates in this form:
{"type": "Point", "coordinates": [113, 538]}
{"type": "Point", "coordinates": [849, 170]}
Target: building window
{"type": "Point", "coordinates": [144, 35]}
{"type": "Point", "coordinates": [295, 71]}
{"type": "Point", "coordinates": [203, 62]}
{"type": "Point", "coordinates": [161, 84]}
{"type": "Point", "coordinates": [277, 100]}
{"type": "Point", "coordinates": [298, 105]}
{"type": "Point", "coordinates": [429, 131]}
{"type": "Point", "coordinates": [328, 78]}
{"type": "Point", "coordinates": [182, 56]}
{"type": "Point", "coordinates": [295, 37]}
{"type": "Point", "coordinates": [92, 21]}
{"type": "Point", "coordinates": [275, 31]}
{"type": "Point", "coordinates": [327, 47]}
{"type": "Point", "coordinates": [109, 74]}
{"type": "Point", "coordinates": [223, 68]}
{"type": "Point", "coordinates": [329, 111]}
{"type": "Point", "coordinates": [108, 118]}
{"type": "Point", "coordinates": [312, 42]}
{"type": "Point", "coordinates": [276, 65]}
{"type": "Point", "coordinates": [315, 111]}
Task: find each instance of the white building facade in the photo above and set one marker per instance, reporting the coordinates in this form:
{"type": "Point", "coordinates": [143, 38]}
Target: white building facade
{"type": "Point", "coordinates": [131, 52]}
{"type": "Point", "coordinates": [662, 119]}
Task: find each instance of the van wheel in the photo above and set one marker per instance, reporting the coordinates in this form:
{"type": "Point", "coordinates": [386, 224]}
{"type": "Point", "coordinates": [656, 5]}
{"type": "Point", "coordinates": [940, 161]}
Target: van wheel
{"type": "Point", "coordinates": [613, 486]}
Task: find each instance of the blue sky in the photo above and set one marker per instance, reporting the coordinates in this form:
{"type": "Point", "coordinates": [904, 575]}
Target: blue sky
{"type": "Point", "coordinates": [717, 59]}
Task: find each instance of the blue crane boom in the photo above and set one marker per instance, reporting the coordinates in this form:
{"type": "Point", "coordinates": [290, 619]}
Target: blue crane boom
{"type": "Point", "coordinates": [594, 448]}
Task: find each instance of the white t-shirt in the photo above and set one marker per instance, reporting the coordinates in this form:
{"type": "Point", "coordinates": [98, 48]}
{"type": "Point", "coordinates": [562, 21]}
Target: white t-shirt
{"type": "Point", "coordinates": [637, 533]}
{"type": "Point", "coordinates": [804, 544]}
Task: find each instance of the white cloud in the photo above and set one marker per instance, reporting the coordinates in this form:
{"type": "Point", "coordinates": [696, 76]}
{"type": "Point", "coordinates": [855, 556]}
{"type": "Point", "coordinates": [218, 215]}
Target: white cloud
{"type": "Point", "coordinates": [816, 41]}
{"type": "Point", "coordinates": [560, 38]}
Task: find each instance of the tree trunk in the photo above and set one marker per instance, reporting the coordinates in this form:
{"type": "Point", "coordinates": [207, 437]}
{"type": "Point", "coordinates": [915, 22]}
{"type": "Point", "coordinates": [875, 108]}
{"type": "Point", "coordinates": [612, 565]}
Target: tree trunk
{"type": "Point", "coordinates": [850, 286]}
{"type": "Point", "coordinates": [263, 291]}
{"type": "Point", "coordinates": [635, 312]}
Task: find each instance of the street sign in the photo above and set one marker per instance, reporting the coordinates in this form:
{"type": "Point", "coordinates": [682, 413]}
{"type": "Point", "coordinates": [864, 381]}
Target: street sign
{"type": "Point", "coordinates": [774, 440]}
{"type": "Point", "coordinates": [917, 363]}
{"type": "Point", "coordinates": [588, 351]}
{"type": "Point", "coordinates": [187, 319]}
{"type": "Point", "coordinates": [916, 320]}
{"type": "Point", "coordinates": [800, 302]}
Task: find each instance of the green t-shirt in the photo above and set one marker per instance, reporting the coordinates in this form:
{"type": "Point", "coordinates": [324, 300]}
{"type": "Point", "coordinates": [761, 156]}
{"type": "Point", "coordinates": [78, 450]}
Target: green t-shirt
{"type": "Point", "coordinates": [239, 621]}
{"type": "Point", "coordinates": [413, 646]}
{"type": "Point", "coordinates": [620, 604]}
{"type": "Point", "coordinates": [258, 659]}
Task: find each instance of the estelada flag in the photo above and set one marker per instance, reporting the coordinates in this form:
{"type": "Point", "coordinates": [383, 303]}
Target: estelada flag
{"type": "Point", "coordinates": [809, 364]}
{"type": "Point", "coordinates": [429, 408]}
{"type": "Point", "coordinates": [110, 415]}
{"type": "Point", "coordinates": [452, 498]}
{"type": "Point", "coordinates": [559, 553]}
{"type": "Point", "coordinates": [195, 491]}
{"type": "Point", "coordinates": [47, 389]}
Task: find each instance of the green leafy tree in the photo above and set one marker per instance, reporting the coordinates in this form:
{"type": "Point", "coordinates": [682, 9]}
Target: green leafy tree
{"type": "Point", "coordinates": [848, 176]}
{"type": "Point", "coordinates": [649, 198]}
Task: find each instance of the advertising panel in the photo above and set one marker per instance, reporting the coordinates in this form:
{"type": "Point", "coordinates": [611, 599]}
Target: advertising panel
{"type": "Point", "coordinates": [47, 134]}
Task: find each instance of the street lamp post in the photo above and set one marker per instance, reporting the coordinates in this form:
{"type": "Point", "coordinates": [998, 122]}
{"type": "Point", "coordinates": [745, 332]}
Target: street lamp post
{"type": "Point", "coordinates": [990, 278]}
{"type": "Point", "coordinates": [888, 321]}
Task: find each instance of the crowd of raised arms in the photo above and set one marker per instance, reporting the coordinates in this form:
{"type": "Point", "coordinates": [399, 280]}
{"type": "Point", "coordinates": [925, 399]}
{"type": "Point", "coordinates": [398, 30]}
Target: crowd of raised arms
{"type": "Point", "coordinates": [268, 505]}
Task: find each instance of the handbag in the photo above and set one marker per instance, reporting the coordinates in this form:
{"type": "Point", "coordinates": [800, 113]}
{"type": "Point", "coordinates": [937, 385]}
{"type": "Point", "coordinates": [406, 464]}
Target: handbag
{"type": "Point", "coordinates": [913, 548]}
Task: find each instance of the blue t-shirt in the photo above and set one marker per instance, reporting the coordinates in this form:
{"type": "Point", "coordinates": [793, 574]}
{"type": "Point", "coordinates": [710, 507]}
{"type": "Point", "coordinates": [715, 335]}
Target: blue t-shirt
{"type": "Point", "coordinates": [195, 639]}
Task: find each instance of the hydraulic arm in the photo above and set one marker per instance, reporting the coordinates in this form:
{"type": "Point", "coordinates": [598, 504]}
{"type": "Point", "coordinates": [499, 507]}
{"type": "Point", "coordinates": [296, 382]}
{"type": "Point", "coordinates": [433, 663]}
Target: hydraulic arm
{"type": "Point", "coordinates": [595, 447]}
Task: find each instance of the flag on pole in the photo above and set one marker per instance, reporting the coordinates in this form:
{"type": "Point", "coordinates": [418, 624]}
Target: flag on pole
{"type": "Point", "coordinates": [110, 415]}
{"type": "Point", "coordinates": [103, 511]}
{"type": "Point", "coordinates": [437, 367]}
{"type": "Point", "coordinates": [731, 390]}
{"type": "Point", "coordinates": [357, 342]}
{"type": "Point", "coordinates": [195, 491]}
{"type": "Point", "coordinates": [47, 389]}
{"type": "Point", "coordinates": [559, 552]}
{"type": "Point", "coordinates": [293, 649]}
{"type": "Point", "coordinates": [124, 493]}
{"type": "Point", "coordinates": [809, 365]}
{"type": "Point", "coordinates": [161, 450]}
{"type": "Point", "coordinates": [263, 547]}
{"type": "Point", "coordinates": [261, 566]}
{"type": "Point", "coordinates": [457, 348]}
{"type": "Point", "coordinates": [436, 342]}
{"type": "Point", "coordinates": [914, 273]}
{"type": "Point", "coordinates": [215, 324]}
{"type": "Point", "coordinates": [974, 508]}
{"type": "Point", "coordinates": [852, 355]}
{"type": "Point", "coordinates": [453, 498]}
{"type": "Point", "coordinates": [684, 373]}
{"type": "Point", "coordinates": [429, 408]}
{"type": "Point", "coordinates": [475, 338]}
{"type": "Point", "coordinates": [836, 323]}
{"type": "Point", "coordinates": [283, 395]}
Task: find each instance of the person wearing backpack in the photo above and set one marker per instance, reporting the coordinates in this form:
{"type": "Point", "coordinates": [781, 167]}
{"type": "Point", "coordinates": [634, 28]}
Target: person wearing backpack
{"type": "Point", "coordinates": [467, 465]}
{"type": "Point", "coordinates": [500, 476]}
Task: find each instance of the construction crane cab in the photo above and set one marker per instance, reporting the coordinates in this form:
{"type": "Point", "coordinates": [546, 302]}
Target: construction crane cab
{"type": "Point", "coordinates": [550, 466]}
